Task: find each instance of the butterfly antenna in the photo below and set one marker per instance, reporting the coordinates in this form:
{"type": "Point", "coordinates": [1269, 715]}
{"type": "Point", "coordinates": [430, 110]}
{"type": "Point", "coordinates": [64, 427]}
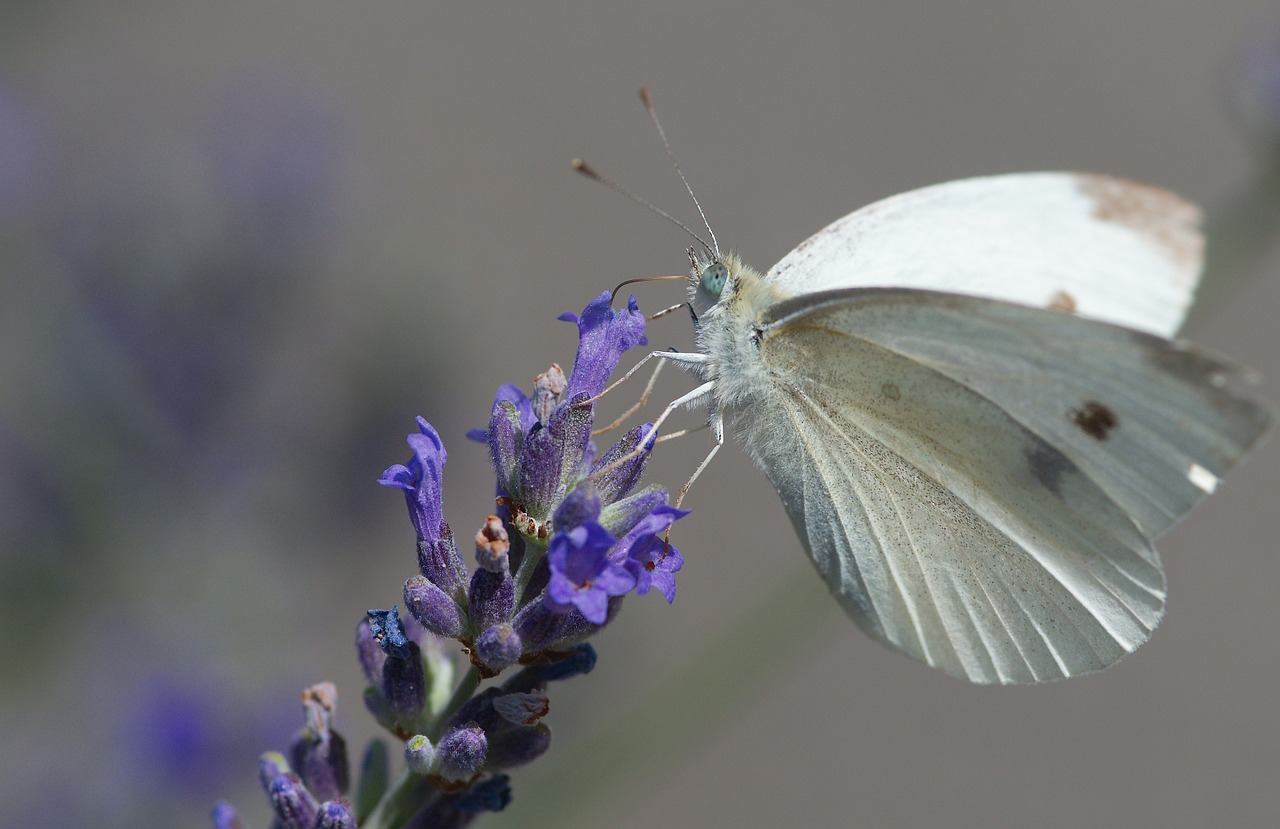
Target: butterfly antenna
{"type": "Point", "coordinates": [647, 99]}
{"type": "Point", "coordinates": [621, 285]}
{"type": "Point", "coordinates": [588, 171]}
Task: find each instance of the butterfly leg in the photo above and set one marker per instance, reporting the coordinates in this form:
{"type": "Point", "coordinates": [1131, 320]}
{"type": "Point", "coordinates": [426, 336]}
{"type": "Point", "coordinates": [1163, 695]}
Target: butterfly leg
{"type": "Point", "coordinates": [644, 398]}
{"type": "Point", "coordinates": [699, 395]}
{"type": "Point", "coordinates": [685, 361]}
{"type": "Point", "coordinates": [717, 430]}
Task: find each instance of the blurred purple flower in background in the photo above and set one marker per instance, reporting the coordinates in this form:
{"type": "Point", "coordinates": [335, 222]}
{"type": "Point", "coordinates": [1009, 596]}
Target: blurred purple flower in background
{"type": "Point", "coordinates": [163, 304]}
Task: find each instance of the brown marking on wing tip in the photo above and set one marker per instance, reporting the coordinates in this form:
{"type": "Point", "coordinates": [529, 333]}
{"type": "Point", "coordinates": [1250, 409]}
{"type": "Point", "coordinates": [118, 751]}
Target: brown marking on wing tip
{"type": "Point", "coordinates": [1168, 220]}
{"type": "Point", "coordinates": [1062, 301]}
{"type": "Point", "coordinates": [891, 391]}
{"type": "Point", "coordinates": [1094, 419]}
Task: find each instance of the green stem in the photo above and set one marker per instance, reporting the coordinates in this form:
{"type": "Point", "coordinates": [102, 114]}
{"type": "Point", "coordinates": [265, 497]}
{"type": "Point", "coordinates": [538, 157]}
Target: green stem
{"type": "Point", "coordinates": [406, 797]}
{"type": "Point", "coordinates": [534, 550]}
{"type": "Point", "coordinates": [466, 687]}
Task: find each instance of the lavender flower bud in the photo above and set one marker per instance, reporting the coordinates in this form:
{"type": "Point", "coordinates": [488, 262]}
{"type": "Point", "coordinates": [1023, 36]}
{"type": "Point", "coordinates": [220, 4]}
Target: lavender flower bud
{"type": "Point", "coordinates": [522, 708]}
{"type": "Point", "coordinates": [497, 647]}
{"type": "Point", "coordinates": [433, 608]}
{"type": "Point", "coordinates": [461, 753]}
{"type": "Point", "coordinates": [492, 795]}
{"type": "Point", "coordinates": [224, 816]}
{"type": "Point", "coordinates": [552, 457]}
{"type": "Point", "coordinates": [518, 746]}
{"type": "Point", "coordinates": [439, 561]}
{"type": "Point", "coordinates": [419, 754]}
{"type": "Point", "coordinates": [548, 387]}
{"type": "Point", "coordinates": [294, 806]}
{"type": "Point", "coordinates": [580, 660]}
{"type": "Point", "coordinates": [492, 599]}
{"type": "Point", "coordinates": [541, 627]}
{"type": "Point", "coordinates": [578, 507]}
{"type": "Point", "coordinates": [404, 685]}
{"type": "Point", "coordinates": [271, 766]}
{"type": "Point", "coordinates": [505, 437]}
{"type": "Point", "coordinates": [318, 752]}
{"type": "Point", "coordinates": [335, 815]}
{"type": "Point", "coordinates": [369, 652]}
{"type": "Point", "coordinates": [621, 516]}
{"type": "Point", "coordinates": [617, 482]}
{"type": "Point", "coordinates": [493, 545]}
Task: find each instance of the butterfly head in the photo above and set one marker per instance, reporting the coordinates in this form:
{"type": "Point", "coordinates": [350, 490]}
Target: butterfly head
{"type": "Point", "coordinates": [711, 280]}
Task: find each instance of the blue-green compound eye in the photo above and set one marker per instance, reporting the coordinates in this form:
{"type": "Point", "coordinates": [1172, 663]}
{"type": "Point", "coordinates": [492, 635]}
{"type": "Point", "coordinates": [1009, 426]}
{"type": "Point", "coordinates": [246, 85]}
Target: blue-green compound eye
{"type": "Point", "coordinates": [713, 278]}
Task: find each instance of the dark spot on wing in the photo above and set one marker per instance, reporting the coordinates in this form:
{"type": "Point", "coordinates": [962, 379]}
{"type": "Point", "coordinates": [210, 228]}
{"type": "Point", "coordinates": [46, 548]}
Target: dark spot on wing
{"type": "Point", "coordinates": [890, 391]}
{"type": "Point", "coordinates": [1094, 419]}
{"type": "Point", "coordinates": [1168, 221]}
{"type": "Point", "coordinates": [1048, 467]}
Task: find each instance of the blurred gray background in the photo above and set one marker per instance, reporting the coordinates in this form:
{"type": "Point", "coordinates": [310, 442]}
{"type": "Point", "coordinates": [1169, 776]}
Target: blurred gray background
{"type": "Point", "coordinates": [244, 244]}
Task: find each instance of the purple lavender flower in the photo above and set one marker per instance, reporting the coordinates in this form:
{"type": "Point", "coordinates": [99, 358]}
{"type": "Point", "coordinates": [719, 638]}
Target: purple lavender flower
{"type": "Point", "coordinates": [422, 482]}
{"type": "Point", "coordinates": [603, 335]}
{"type": "Point", "coordinates": [649, 556]}
{"type": "Point", "coordinates": [582, 575]}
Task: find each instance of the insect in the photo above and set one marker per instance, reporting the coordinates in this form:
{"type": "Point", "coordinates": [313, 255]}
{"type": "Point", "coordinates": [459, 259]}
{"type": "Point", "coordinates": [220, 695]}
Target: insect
{"type": "Point", "coordinates": [971, 403]}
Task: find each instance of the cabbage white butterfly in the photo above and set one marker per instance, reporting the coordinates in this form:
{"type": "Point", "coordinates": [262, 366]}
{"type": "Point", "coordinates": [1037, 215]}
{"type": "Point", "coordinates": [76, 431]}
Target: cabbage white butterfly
{"type": "Point", "coordinates": [970, 402]}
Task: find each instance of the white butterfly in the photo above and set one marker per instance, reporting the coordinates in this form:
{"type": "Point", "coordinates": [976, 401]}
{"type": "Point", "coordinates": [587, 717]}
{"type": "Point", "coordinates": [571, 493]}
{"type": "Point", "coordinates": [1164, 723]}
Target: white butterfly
{"type": "Point", "coordinates": [969, 400]}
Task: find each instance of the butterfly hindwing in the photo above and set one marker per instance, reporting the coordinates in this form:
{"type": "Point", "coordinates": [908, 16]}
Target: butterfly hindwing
{"type": "Point", "coordinates": [979, 483]}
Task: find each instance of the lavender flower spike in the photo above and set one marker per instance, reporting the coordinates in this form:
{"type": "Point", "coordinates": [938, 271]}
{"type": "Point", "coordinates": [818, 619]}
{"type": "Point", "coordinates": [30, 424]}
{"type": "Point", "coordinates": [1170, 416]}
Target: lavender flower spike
{"type": "Point", "coordinates": [571, 535]}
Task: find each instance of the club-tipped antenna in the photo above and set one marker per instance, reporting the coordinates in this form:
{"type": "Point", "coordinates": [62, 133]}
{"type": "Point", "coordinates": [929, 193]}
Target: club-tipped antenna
{"type": "Point", "coordinates": [647, 99]}
{"type": "Point", "coordinates": [588, 171]}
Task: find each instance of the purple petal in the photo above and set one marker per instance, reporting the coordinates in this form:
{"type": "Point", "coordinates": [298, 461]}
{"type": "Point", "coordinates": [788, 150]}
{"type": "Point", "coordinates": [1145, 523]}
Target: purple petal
{"type": "Point", "coordinates": [664, 583]}
{"type": "Point", "coordinates": [603, 335]}
{"type": "Point", "coordinates": [614, 580]}
{"type": "Point", "coordinates": [593, 604]}
{"type": "Point", "coordinates": [649, 526]}
{"type": "Point", "coordinates": [561, 591]}
{"type": "Point", "coordinates": [421, 480]}
{"type": "Point", "coordinates": [579, 553]}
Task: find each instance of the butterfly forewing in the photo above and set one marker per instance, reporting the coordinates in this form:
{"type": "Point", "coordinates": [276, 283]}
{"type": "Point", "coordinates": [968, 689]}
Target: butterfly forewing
{"type": "Point", "coordinates": [1099, 246]}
